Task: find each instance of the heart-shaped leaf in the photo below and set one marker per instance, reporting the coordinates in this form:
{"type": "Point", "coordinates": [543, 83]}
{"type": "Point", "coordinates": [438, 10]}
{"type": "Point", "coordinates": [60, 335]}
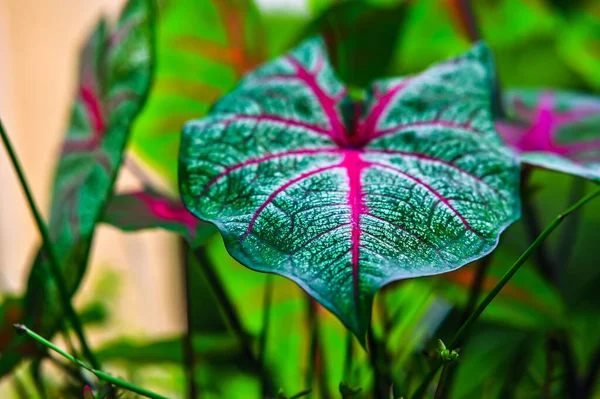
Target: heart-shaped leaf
{"type": "Point", "coordinates": [149, 210]}
{"type": "Point", "coordinates": [344, 196]}
{"type": "Point", "coordinates": [554, 130]}
{"type": "Point", "coordinates": [114, 77]}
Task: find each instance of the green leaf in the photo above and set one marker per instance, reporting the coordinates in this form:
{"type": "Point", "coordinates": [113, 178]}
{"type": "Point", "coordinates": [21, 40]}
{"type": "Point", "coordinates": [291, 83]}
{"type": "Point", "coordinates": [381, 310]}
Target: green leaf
{"type": "Point", "coordinates": [114, 77]}
{"type": "Point", "coordinates": [204, 48]}
{"type": "Point", "coordinates": [554, 130]}
{"type": "Point", "coordinates": [344, 197]}
{"type": "Point", "coordinates": [148, 210]}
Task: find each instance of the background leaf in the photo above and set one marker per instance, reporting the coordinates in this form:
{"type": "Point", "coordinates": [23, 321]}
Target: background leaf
{"type": "Point", "coordinates": [114, 78]}
{"type": "Point", "coordinates": [203, 48]}
{"type": "Point", "coordinates": [148, 210]}
{"type": "Point", "coordinates": [554, 130]}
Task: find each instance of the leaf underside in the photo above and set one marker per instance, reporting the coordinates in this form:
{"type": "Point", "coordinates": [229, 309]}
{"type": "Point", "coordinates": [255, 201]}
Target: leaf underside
{"type": "Point", "coordinates": [554, 130]}
{"type": "Point", "coordinates": [148, 209]}
{"type": "Point", "coordinates": [342, 196]}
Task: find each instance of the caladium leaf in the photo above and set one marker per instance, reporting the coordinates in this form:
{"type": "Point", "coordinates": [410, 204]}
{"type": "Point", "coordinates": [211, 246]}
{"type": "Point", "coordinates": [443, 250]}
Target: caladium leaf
{"type": "Point", "coordinates": [342, 196]}
{"type": "Point", "coordinates": [114, 78]}
{"type": "Point", "coordinates": [554, 130]}
{"type": "Point", "coordinates": [149, 210]}
{"type": "Point", "coordinates": [204, 48]}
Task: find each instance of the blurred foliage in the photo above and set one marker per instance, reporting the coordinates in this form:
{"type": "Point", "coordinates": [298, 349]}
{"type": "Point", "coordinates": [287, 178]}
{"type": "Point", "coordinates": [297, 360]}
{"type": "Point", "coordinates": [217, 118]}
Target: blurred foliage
{"type": "Point", "coordinates": [519, 347]}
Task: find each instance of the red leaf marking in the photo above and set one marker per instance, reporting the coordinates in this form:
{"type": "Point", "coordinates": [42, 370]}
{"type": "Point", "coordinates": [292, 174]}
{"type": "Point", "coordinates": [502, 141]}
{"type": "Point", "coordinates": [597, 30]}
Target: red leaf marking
{"type": "Point", "coordinates": [544, 124]}
{"type": "Point", "coordinates": [166, 210]}
{"type": "Point", "coordinates": [271, 197]}
{"type": "Point", "coordinates": [439, 196]}
{"type": "Point", "coordinates": [397, 226]}
{"type": "Point", "coordinates": [368, 127]}
{"type": "Point", "coordinates": [254, 161]}
{"type": "Point", "coordinates": [276, 119]}
{"type": "Point", "coordinates": [432, 159]}
{"type": "Point", "coordinates": [327, 102]}
{"type": "Point", "coordinates": [433, 123]}
{"type": "Point", "coordinates": [93, 110]}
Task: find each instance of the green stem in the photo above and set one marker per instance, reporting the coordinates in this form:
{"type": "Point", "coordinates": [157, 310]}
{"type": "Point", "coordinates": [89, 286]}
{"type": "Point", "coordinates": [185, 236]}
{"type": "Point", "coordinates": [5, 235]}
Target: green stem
{"type": "Point", "coordinates": [189, 355]}
{"type": "Point", "coordinates": [348, 357]}
{"type": "Point", "coordinates": [466, 327]}
{"type": "Point", "coordinates": [441, 383]}
{"type": "Point", "coordinates": [262, 343]}
{"type": "Point", "coordinates": [231, 314]}
{"type": "Point", "coordinates": [100, 374]}
{"type": "Point", "coordinates": [55, 268]}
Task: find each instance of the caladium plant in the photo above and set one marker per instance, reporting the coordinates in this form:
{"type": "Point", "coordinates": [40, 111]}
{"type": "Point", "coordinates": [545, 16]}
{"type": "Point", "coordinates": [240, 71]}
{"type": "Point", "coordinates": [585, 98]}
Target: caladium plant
{"type": "Point", "coordinates": [114, 78]}
{"type": "Point", "coordinates": [554, 130]}
{"type": "Point", "coordinates": [149, 209]}
{"type": "Point", "coordinates": [344, 196]}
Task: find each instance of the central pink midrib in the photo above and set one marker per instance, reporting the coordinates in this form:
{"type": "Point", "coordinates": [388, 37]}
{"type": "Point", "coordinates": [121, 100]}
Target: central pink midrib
{"type": "Point", "coordinates": [93, 111]}
{"type": "Point", "coordinates": [354, 166]}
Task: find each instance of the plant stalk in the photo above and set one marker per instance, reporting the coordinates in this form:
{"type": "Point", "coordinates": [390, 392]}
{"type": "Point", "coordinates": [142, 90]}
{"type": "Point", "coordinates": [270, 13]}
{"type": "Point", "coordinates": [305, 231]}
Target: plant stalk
{"type": "Point", "coordinates": [100, 374]}
{"type": "Point", "coordinates": [468, 325]}
{"type": "Point", "coordinates": [262, 343]}
{"type": "Point", "coordinates": [231, 314]}
{"type": "Point", "coordinates": [189, 357]}
{"type": "Point", "coordinates": [55, 268]}
{"type": "Point", "coordinates": [442, 382]}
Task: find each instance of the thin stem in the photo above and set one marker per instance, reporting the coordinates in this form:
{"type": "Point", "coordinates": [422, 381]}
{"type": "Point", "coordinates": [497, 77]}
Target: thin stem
{"type": "Point", "coordinates": [533, 227]}
{"type": "Point", "coordinates": [466, 327]}
{"type": "Point", "coordinates": [188, 347]}
{"type": "Point", "coordinates": [316, 361]}
{"type": "Point", "coordinates": [482, 268]}
{"type": "Point", "coordinates": [301, 394]}
{"type": "Point", "coordinates": [568, 238]}
{"type": "Point", "coordinates": [377, 356]}
{"type": "Point", "coordinates": [570, 368]}
{"type": "Point", "coordinates": [441, 383]}
{"type": "Point", "coordinates": [591, 377]}
{"type": "Point", "coordinates": [348, 356]}
{"type": "Point", "coordinates": [470, 23]}
{"type": "Point", "coordinates": [100, 374]}
{"type": "Point", "coordinates": [55, 268]}
{"type": "Point", "coordinates": [546, 387]}
{"type": "Point", "coordinates": [230, 313]}
{"type": "Point", "coordinates": [262, 342]}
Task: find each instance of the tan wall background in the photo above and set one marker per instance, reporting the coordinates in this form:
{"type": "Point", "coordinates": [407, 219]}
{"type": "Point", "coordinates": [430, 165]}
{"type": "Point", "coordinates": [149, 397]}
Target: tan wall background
{"type": "Point", "coordinates": [39, 44]}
